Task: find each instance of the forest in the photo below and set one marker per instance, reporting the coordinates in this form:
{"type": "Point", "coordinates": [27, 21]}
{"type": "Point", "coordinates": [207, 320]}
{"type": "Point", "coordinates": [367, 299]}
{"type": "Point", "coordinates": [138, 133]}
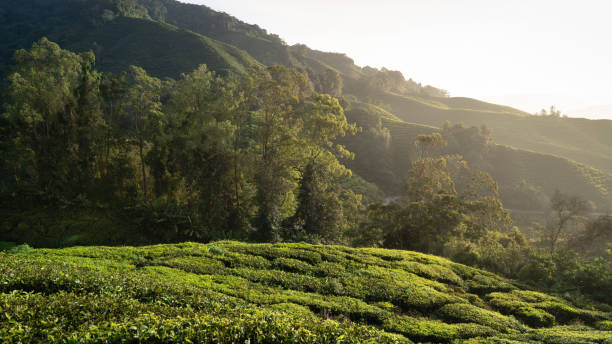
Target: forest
{"type": "Point", "coordinates": [243, 167]}
{"type": "Point", "coordinates": [131, 159]}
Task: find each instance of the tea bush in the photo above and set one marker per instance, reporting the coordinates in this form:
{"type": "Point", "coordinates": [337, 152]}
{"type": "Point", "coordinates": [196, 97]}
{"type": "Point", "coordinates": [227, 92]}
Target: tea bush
{"type": "Point", "coordinates": [228, 292]}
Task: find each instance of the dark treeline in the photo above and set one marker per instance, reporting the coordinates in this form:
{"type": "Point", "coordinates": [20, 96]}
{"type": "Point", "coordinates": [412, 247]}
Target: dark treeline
{"type": "Point", "coordinates": [91, 158]}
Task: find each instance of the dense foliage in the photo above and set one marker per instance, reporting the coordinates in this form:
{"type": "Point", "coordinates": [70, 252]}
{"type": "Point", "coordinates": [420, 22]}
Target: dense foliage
{"type": "Point", "coordinates": [202, 157]}
{"type": "Point", "coordinates": [101, 158]}
{"type": "Point", "coordinates": [228, 292]}
{"type": "Point", "coordinates": [168, 38]}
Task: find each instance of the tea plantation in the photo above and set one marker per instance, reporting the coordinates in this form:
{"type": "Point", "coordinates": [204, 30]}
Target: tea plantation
{"type": "Point", "coordinates": [231, 292]}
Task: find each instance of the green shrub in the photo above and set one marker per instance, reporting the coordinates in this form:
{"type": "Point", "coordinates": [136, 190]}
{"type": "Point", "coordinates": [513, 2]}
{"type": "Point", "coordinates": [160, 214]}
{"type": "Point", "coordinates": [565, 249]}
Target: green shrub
{"type": "Point", "coordinates": [534, 317]}
{"type": "Point", "coordinates": [292, 265]}
{"type": "Point", "coordinates": [216, 250]}
{"type": "Point", "coordinates": [198, 265]}
{"type": "Point", "coordinates": [325, 269]}
{"type": "Point", "coordinates": [463, 312]}
{"type": "Point", "coordinates": [570, 334]}
{"type": "Point", "coordinates": [13, 248]}
{"type": "Point", "coordinates": [604, 325]}
{"type": "Point", "coordinates": [482, 283]}
{"type": "Point", "coordinates": [425, 330]}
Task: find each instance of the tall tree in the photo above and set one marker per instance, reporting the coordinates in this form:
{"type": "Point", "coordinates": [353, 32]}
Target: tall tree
{"type": "Point", "coordinates": [113, 93]}
{"type": "Point", "coordinates": [55, 117]}
{"type": "Point", "coordinates": [320, 208]}
{"type": "Point", "coordinates": [566, 209]}
{"type": "Point", "coordinates": [276, 100]}
{"type": "Point", "coordinates": [192, 160]}
{"type": "Point", "coordinates": [144, 107]}
{"type": "Point", "coordinates": [446, 199]}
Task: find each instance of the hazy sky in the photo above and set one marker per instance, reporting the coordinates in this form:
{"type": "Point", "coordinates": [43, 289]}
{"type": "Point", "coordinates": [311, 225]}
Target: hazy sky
{"type": "Point", "coordinates": [528, 54]}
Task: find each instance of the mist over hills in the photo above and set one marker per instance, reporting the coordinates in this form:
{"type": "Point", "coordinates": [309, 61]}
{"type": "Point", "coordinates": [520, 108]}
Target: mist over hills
{"type": "Point", "coordinates": [599, 111]}
{"type": "Point", "coordinates": [168, 38]}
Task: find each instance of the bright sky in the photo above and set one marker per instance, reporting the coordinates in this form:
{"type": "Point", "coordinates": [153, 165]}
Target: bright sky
{"type": "Point", "coordinates": [525, 53]}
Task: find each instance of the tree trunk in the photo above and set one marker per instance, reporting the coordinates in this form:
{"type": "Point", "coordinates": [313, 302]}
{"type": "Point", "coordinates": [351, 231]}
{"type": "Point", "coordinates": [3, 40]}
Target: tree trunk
{"type": "Point", "coordinates": [144, 172]}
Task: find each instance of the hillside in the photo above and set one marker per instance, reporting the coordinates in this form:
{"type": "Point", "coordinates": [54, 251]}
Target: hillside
{"type": "Point", "coordinates": [229, 292]}
{"type": "Point", "coordinates": [582, 140]}
{"type": "Point", "coordinates": [167, 38]}
{"type": "Point", "coordinates": [387, 163]}
{"type": "Point", "coordinates": [117, 36]}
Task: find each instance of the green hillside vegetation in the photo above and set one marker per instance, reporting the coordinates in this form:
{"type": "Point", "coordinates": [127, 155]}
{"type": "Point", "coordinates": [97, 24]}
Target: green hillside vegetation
{"type": "Point", "coordinates": [581, 140]}
{"type": "Point", "coordinates": [90, 158]}
{"type": "Point", "coordinates": [277, 144]}
{"type": "Point", "coordinates": [119, 36]}
{"type": "Point", "coordinates": [257, 155]}
{"type": "Point", "coordinates": [474, 104]}
{"type": "Point", "coordinates": [163, 50]}
{"type": "Point", "coordinates": [385, 153]}
{"type": "Point", "coordinates": [78, 24]}
{"type": "Point", "coordinates": [510, 166]}
{"type": "Point", "coordinates": [384, 145]}
{"type": "Point", "coordinates": [229, 292]}
{"type": "Point", "coordinates": [267, 48]}
{"type": "Point", "coordinates": [206, 156]}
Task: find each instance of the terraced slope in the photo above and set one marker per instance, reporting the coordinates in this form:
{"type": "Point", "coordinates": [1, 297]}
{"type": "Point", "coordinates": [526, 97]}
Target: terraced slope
{"type": "Point", "coordinates": [230, 292]}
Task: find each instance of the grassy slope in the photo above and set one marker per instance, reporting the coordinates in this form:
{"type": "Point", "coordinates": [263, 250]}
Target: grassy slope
{"type": "Point", "coordinates": [510, 165]}
{"type": "Point", "coordinates": [267, 49]}
{"type": "Point", "coordinates": [581, 140]}
{"type": "Point", "coordinates": [506, 164]}
{"type": "Point", "coordinates": [230, 292]}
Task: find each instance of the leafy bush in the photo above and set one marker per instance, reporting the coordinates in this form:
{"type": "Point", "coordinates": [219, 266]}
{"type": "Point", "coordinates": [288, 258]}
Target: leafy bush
{"type": "Point", "coordinates": [14, 248]}
{"type": "Point", "coordinates": [459, 312]}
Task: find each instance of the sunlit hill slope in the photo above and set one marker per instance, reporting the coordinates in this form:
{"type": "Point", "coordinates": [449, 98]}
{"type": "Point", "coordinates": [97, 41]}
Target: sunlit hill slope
{"type": "Point", "coordinates": [229, 292]}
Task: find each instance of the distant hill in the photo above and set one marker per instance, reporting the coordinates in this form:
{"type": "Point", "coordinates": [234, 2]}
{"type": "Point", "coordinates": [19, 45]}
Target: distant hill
{"type": "Point", "coordinates": [386, 162]}
{"type": "Point", "coordinates": [582, 140]}
{"type": "Point", "coordinates": [600, 111]}
{"type": "Point", "coordinates": [230, 292]}
{"type": "Point", "coordinates": [119, 36]}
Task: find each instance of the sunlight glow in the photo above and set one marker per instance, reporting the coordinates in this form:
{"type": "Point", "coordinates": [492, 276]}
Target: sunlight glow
{"type": "Point", "coordinates": [527, 54]}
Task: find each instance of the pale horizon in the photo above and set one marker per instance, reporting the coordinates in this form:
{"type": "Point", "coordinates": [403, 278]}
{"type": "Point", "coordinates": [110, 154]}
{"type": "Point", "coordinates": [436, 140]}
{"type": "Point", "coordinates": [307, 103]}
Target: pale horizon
{"type": "Point", "coordinates": [525, 54]}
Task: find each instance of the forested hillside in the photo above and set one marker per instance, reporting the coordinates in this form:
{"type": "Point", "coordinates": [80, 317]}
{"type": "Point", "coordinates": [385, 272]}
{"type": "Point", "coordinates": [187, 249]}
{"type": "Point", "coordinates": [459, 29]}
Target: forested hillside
{"type": "Point", "coordinates": [582, 140]}
{"type": "Point", "coordinates": [112, 29]}
{"type": "Point", "coordinates": [168, 38]}
{"type": "Point", "coordinates": [120, 33]}
{"type": "Point", "coordinates": [385, 152]}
